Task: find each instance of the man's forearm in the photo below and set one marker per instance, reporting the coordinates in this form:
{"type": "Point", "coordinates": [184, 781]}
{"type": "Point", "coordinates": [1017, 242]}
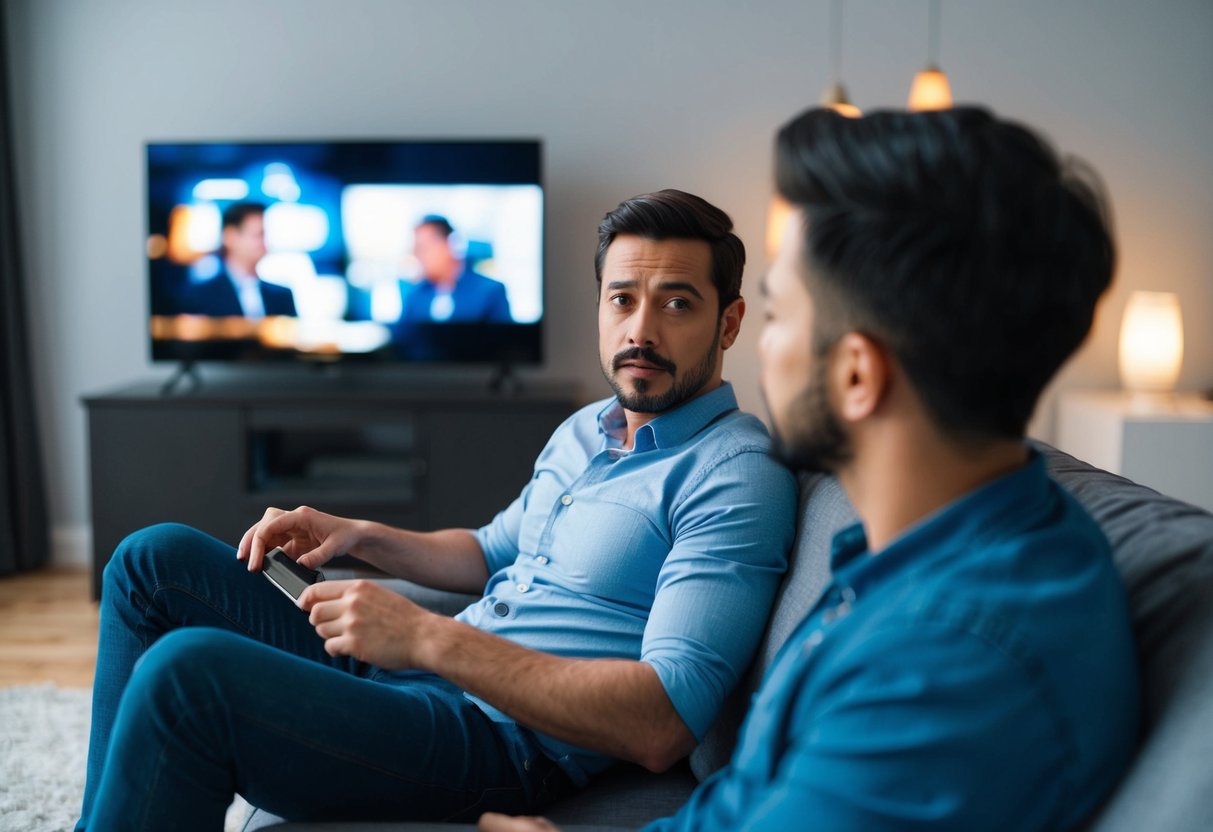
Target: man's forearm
{"type": "Point", "coordinates": [614, 706]}
{"type": "Point", "coordinates": [450, 559]}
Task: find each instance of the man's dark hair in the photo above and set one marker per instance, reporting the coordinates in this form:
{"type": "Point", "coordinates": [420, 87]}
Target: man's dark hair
{"type": "Point", "coordinates": [959, 241]}
{"type": "Point", "coordinates": [236, 213]}
{"type": "Point", "coordinates": [677, 215]}
{"type": "Point", "coordinates": [440, 223]}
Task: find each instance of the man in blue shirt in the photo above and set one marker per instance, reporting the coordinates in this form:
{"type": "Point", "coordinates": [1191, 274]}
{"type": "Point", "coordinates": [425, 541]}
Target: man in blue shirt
{"type": "Point", "coordinates": [971, 665]}
{"type": "Point", "coordinates": [450, 292]}
{"type": "Point", "coordinates": [624, 592]}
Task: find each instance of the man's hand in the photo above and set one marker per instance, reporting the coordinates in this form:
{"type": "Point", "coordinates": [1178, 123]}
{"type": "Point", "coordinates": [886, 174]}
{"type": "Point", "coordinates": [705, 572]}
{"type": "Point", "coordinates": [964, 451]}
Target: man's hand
{"type": "Point", "coordinates": [310, 537]}
{"type": "Point", "coordinates": [493, 822]}
{"type": "Point", "coordinates": [367, 621]}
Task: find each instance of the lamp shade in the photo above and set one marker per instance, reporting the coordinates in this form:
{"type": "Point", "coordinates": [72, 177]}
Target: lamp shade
{"type": "Point", "coordinates": [930, 90]}
{"type": "Point", "coordinates": [1151, 342]}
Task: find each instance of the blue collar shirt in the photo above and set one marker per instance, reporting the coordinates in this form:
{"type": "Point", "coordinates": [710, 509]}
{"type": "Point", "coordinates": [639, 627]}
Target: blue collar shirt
{"type": "Point", "coordinates": [669, 553]}
{"type": "Point", "coordinates": [979, 673]}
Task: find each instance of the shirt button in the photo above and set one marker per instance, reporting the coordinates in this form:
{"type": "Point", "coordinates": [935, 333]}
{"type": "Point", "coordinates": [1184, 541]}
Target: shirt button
{"type": "Point", "coordinates": [541, 560]}
{"type": "Point", "coordinates": [502, 609]}
{"type": "Point", "coordinates": [523, 587]}
{"type": "Point", "coordinates": [566, 500]}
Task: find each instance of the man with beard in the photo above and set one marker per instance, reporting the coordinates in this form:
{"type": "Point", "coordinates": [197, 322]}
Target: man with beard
{"type": "Point", "coordinates": [624, 592]}
{"type": "Point", "coordinates": [971, 664]}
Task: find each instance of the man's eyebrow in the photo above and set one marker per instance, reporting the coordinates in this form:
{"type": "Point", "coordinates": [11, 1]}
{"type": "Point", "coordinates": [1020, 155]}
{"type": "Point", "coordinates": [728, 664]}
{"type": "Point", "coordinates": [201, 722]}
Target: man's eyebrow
{"type": "Point", "coordinates": [680, 286]}
{"type": "Point", "coordinates": [665, 286]}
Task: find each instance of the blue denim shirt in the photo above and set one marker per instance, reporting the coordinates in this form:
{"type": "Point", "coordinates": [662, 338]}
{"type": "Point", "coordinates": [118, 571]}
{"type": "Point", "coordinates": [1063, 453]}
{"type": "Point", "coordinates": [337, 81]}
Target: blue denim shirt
{"type": "Point", "coordinates": [669, 553]}
{"type": "Point", "coordinates": [979, 673]}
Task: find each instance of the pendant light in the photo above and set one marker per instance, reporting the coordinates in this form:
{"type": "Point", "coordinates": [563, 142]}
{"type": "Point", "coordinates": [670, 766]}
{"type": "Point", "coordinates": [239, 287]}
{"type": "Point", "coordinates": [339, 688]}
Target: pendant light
{"type": "Point", "coordinates": [931, 90]}
{"type": "Point", "coordinates": [835, 95]}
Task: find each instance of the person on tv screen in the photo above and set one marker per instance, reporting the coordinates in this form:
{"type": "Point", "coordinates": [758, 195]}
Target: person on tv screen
{"type": "Point", "coordinates": [236, 289]}
{"type": "Point", "coordinates": [971, 665]}
{"type": "Point", "coordinates": [450, 291]}
{"type": "Point", "coordinates": [622, 596]}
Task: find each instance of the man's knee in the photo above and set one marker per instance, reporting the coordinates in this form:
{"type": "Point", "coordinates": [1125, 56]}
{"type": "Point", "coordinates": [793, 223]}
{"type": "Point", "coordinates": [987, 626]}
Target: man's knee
{"type": "Point", "coordinates": [183, 666]}
{"type": "Point", "coordinates": [140, 551]}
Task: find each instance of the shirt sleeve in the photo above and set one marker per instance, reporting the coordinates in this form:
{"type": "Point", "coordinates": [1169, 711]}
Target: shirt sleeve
{"type": "Point", "coordinates": [731, 536]}
{"type": "Point", "coordinates": [499, 538]}
{"type": "Point", "coordinates": [922, 728]}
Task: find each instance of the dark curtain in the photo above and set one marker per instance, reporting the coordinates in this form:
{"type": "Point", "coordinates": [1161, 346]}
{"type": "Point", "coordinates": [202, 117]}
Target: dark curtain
{"type": "Point", "coordinates": [24, 523]}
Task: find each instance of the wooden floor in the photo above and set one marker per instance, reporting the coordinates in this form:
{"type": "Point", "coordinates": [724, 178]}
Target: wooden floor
{"type": "Point", "coordinates": [48, 629]}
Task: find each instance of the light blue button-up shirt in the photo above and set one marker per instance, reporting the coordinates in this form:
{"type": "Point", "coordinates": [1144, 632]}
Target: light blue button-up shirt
{"type": "Point", "coordinates": [978, 673]}
{"type": "Point", "coordinates": [669, 553]}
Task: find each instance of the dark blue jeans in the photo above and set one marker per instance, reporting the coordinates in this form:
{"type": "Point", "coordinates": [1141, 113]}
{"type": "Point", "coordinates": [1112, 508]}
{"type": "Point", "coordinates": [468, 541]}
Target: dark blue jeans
{"type": "Point", "coordinates": [210, 682]}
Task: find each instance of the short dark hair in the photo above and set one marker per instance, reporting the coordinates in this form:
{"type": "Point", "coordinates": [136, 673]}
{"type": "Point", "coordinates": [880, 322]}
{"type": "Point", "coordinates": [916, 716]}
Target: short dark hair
{"type": "Point", "coordinates": [959, 241]}
{"type": "Point", "coordinates": [671, 214]}
{"type": "Point", "coordinates": [236, 213]}
{"type": "Point", "coordinates": [440, 223]}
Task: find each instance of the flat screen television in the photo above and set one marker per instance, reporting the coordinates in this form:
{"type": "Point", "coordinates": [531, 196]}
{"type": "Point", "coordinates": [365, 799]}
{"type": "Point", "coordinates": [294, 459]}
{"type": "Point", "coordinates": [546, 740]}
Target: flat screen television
{"type": "Point", "coordinates": [391, 251]}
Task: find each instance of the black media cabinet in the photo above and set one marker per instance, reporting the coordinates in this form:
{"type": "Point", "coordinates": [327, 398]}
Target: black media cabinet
{"type": "Point", "coordinates": [420, 457]}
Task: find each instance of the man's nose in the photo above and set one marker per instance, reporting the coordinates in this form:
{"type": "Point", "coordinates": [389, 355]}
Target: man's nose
{"type": "Point", "coordinates": [643, 327]}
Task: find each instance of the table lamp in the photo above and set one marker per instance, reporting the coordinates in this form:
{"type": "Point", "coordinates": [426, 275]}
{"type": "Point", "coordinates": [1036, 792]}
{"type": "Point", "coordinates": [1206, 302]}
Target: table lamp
{"type": "Point", "coordinates": [1151, 342]}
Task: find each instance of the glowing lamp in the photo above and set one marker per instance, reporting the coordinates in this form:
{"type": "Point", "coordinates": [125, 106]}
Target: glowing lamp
{"type": "Point", "coordinates": [930, 90]}
{"type": "Point", "coordinates": [1151, 342]}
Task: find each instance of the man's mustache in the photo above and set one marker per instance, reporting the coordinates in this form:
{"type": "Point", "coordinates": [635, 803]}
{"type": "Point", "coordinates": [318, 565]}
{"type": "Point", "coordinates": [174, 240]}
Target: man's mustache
{"type": "Point", "coordinates": [645, 354]}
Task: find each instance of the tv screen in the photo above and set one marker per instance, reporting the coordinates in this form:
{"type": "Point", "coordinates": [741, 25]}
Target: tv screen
{"type": "Point", "coordinates": [426, 251]}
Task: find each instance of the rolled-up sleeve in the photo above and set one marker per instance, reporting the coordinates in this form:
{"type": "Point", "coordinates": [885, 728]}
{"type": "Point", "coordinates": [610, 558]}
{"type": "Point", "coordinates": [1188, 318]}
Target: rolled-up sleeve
{"type": "Point", "coordinates": [499, 538]}
{"type": "Point", "coordinates": [733, 529]}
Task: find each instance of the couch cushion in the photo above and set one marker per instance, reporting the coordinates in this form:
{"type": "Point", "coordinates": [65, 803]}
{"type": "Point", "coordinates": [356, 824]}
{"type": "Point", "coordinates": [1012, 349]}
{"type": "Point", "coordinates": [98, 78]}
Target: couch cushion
{"type": "Point", "coordinates": [1164, 551]}
{"type": "Point", "coordinates": [624, 796]}
{"type": "Point", "coordinates": [824, 511]}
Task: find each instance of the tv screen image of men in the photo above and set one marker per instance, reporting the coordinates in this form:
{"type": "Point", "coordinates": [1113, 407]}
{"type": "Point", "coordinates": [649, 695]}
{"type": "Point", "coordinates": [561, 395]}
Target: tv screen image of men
{"type": "Point", "coordinates": [237, 290]}
{"type": "Point", "coordinates": [450, 290]}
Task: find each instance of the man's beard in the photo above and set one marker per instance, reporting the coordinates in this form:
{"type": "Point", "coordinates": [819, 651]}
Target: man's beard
{"type": "Point", "coordinates": [680, 391]}
{"type": "Point", "coordinates": [815, 440]}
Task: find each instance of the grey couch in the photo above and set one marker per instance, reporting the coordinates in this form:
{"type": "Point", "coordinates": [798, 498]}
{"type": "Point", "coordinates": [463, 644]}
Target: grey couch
{"type": "Point", "coordinates": [1164, 551]}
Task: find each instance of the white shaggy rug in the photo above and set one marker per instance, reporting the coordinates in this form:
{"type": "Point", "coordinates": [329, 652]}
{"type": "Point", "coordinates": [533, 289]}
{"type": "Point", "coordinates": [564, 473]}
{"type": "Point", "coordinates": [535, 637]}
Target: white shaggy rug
{"type": "Point", "coordinates": [43, 746]}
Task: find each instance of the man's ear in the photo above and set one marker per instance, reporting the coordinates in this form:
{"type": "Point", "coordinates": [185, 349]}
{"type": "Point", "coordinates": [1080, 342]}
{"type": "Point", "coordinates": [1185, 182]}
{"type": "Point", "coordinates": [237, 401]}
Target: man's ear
{"type": "Point", "coordinates": [730, 322]}
{"type": "Point", "coordinates": [861, 373]}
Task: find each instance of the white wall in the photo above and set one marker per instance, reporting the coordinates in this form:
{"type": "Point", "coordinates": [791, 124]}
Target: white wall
{"type": "Point", "coordinates": [629, 96]}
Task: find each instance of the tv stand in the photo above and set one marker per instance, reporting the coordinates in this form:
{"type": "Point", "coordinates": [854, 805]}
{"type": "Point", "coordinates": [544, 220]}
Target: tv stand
{"type": "Point", "coordinates": [186, 371]}
{"type": "Point", "coordinates": [503, 382]}
{"type": "Point", "coordinates": [406, 454]}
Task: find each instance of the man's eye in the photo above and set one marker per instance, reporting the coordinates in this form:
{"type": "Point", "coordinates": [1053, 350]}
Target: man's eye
{"type": "Point", "coordinates": [620, 300]}
{"type": "Point", "coordinates": [678, 304]}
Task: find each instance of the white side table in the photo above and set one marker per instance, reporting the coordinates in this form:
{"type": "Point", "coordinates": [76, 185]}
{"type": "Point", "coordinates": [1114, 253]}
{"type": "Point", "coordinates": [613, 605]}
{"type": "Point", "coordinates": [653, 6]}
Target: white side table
{"type": "Point", "coordinates": [1164, 442]}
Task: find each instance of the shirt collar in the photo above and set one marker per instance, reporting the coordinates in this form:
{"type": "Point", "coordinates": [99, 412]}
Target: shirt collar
{"type": "Point", "coordinates": [673, 427]}
{"type": "Point", "coordinates": [988, 511]}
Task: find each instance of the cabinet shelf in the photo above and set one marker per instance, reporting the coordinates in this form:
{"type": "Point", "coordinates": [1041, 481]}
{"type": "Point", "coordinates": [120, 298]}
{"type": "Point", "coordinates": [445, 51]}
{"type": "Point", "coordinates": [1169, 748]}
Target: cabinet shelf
{"type": "Point", "coordinates": [217, 457]}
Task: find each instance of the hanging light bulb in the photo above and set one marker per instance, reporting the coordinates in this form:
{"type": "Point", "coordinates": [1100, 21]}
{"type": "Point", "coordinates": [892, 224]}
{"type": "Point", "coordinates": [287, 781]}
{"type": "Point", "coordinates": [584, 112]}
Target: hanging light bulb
{"type": "Point", "coordinates": [835, 95]}
{"type": "Point", "coordinates": [931, 90]}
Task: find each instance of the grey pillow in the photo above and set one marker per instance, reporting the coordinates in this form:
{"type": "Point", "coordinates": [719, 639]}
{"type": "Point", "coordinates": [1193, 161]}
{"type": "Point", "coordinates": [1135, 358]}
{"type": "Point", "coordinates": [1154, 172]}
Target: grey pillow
{"type": "Point", "coordinates": [824, 511]}
{"type": "Point", "coordinates": [1163, 549]}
